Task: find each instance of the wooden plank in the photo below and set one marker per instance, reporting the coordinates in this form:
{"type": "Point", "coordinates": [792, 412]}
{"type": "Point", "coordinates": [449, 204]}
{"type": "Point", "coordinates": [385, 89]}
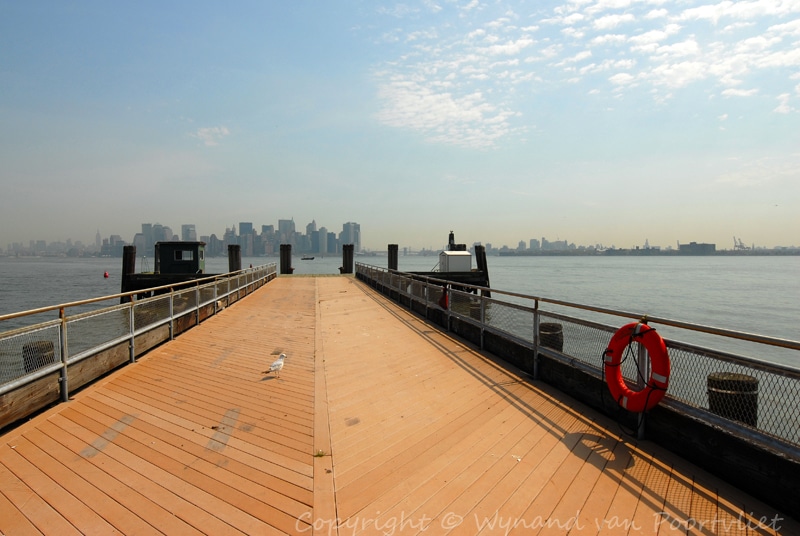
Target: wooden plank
{"type": "Point", "coordinates": [137, 506]}
{"type": "Point", "coordinates": [121, 518]}
{"type": "Point", "coordinates": [22, 510]}
{"type": "Point", "coordinates": [619, 518]}
{"type": "Point", "coordinates": [324, 512]}
{"type": "Point", "coordinates": [208, 473]}
{"type": "Point", "coordinates": [145, 482]}
{"type": "Point", "coordinates": [595, 511]}
{"type": "Point", "coordinates": [297, 473]}
{"type": "Point", "coordinates": [77, 513]}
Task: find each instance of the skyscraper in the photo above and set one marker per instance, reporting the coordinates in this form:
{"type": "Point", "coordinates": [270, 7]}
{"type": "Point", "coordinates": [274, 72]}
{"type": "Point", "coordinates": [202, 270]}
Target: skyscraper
{"type": "Point", "coordinates": [286, 231]}
{"type": "Point", "coordinates": [351, 234]}
{"type": "Point", "coordinates": [188, 232]}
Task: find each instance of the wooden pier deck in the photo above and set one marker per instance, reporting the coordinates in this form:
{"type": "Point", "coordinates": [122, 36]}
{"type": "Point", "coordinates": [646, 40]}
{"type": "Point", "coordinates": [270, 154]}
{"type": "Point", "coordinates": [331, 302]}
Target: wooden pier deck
{"type": "Point", "coordinates": [378, 424]}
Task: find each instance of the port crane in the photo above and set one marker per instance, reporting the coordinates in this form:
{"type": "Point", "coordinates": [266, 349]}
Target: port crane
{"type": "Point", "coordinates": [739, 245]}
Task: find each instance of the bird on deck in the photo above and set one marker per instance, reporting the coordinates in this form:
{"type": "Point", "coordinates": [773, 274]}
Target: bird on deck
{"type": "Point", "coordinates": [276, 366]}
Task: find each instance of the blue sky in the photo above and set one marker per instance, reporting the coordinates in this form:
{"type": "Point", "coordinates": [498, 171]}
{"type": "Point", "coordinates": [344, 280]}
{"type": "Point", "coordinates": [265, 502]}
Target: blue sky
{"type": "Point", "coordinates": [594, 121]}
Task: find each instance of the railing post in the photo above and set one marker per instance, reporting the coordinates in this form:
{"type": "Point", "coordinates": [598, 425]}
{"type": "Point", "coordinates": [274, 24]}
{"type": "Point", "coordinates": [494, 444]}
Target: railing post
{"type": "Point", "coordinates": [449, 302]}
{"type": "Point", "coordinates": [64, 379]}
{"type": "Point", "coordinates": [483, 317]}
{"type": "Point", "coordinates": [644, 365]}
{"type": "Point", "coordinates": [197, 305]}
{"type": "Point", "coordinates": [216, 296]}
{"type": "Point", "coordinates": [171, 314]}
{"type": "Point", "coordinates": [132, 331]}
{"type": "Point", "coordinates": [536, 321]}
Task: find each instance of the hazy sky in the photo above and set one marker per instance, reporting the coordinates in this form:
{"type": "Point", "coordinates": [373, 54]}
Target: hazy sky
{"type": "Point", "coordinates": [592, 121]}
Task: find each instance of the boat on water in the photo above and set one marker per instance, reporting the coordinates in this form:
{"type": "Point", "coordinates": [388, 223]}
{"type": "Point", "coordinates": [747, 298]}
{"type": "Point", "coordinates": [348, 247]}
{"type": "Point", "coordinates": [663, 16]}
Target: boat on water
{"type": "Point", "coordinates": [307, 258]}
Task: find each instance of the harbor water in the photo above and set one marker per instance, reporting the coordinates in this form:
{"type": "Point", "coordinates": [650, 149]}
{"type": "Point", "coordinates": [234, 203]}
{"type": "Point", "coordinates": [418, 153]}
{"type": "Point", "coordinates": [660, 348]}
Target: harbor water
{"type": "Point", "coordinates": [754, 294]}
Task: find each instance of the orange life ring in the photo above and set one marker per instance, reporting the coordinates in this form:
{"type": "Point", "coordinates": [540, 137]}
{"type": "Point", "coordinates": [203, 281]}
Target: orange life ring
{"type": "Point", "coordinates": [656, 386]}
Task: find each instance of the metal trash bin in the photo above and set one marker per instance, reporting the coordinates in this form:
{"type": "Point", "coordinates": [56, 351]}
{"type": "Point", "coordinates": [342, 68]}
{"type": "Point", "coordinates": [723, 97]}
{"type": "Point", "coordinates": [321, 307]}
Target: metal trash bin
{"type": "Point", "coordinates": [551, 335]}
{"type": "Point", "coordinates": [38, 354]}
{"type": "Point", "coordinates": [733, 396]}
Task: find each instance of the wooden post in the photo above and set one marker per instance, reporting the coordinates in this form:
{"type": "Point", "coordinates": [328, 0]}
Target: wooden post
{"type": "Point", "coordinates": [483, 267]}
{"type": "Point", "coordinates": [286, 259]}
{"type": "Point", "coordinates": [392, 256]}
{"type": "Point", "coordinates": [347, 259]}
{"type": "Point", "coordinates": [157, 258]}
{"type": "Point", "coordinates": [128, 269]}
{"type": "Point", "coordinates": [234, 257]}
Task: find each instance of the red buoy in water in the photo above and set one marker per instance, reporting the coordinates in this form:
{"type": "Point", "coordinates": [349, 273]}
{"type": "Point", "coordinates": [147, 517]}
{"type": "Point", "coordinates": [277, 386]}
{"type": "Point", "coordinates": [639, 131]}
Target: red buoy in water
{"type": "Point", "coordinates": [105, 274]}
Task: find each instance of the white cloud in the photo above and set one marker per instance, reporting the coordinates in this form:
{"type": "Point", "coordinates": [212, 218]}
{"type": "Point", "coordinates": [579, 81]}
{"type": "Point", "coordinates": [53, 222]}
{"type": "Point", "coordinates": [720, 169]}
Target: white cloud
{"type": "Point", "coordinates": [739, 92]}
{"type": "Point", "coordinates": [656, 14]}
{"type": "Point", "coordinates": [607, 5]}
{"type": "Point", "coordinates": [511, 47]}
{"type": "Point", "coordinates": [622, 79]}
{"type": "Point", "coordinates": [211, 136]}
{"type": "Point", "coordinates": [612, 21]}
{"type": "Point", "coordinates": [573, 19]}
{"type": "Point", "coordinates": [783, 106]}
{"type": "Point", "coordinates": [788, 28]}
{"type": "Point", "coordinates": [467, 120]}
{"type": "Point", "coordinates": [609, 38]}
{"type": "Point", "coordinates": [678, 75]}
{"type": "Point", "coordinates": [684, 48]}
{"type": "Point", "coordinates": [654, 47]}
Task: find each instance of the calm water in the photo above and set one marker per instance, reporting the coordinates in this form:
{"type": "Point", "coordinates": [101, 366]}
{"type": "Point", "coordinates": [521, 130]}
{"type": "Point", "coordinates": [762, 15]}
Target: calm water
{"type": "Point", "coordinates": [752, 294]}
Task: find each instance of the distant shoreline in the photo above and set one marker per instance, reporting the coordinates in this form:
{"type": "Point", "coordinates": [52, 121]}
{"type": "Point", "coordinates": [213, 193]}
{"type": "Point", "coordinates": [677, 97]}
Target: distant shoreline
{"type": "Point", "coordinates": [648, 252]}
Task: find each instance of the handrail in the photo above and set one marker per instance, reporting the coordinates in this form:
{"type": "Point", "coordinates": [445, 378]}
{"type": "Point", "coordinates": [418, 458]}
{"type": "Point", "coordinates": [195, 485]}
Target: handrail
{"type": "Point", "coordinates": [774, 417]}
{"type": "Point", "coordinates": [182, 284]}
{"type": "Point", "coordinates": [734, 334]}
{"type": "Point", "coordinates": [30, 353]}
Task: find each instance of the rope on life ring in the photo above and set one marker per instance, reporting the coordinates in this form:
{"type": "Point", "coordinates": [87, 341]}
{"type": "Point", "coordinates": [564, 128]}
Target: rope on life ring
{"type": "Point", "coordinates": [656, 385]}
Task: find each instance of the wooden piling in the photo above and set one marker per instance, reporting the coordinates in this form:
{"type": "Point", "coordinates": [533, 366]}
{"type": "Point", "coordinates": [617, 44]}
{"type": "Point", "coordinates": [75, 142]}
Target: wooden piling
{"type": "Point", "coordinates": [234, 257]}
{"type": "Point", "coordinates": [128, 269]}
{"type": "Point", "coordinates": [286, 259]}
{"type": "Point", "coordinates": [347, 259]}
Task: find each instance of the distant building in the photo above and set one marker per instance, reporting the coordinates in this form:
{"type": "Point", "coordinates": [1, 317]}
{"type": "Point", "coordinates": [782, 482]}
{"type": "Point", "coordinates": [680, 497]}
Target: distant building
{"type": "Point", "coordinates": [351, 234]}
{"type": "Point", "coordinates": [322, 247]}
{"type": "Point", "coordinates": [693, 248]}
{"type": "Point", "coordinates": [188, 233]}
{"type": "Point", "coordinates": [286, 231]}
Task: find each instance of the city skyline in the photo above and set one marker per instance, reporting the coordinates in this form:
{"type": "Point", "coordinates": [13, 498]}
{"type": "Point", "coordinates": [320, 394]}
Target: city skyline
{"type": "Point", "coordinates": [188, 232]}
{"type": "Point", "coordinates": [598, 122]}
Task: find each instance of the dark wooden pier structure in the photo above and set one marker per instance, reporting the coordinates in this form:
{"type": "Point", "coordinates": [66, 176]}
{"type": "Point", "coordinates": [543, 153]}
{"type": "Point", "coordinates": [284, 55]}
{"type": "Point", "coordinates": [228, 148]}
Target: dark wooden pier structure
{"type": "Point", "coordinates": [455, 265]}
{"type": "Point", "coordinates": [175, 263]}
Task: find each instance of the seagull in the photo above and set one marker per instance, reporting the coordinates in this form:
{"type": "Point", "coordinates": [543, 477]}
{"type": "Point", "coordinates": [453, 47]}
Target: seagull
{"type": "Point", "coordinates": [276, 366]}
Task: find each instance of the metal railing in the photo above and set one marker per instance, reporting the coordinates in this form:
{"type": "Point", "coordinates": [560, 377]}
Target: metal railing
{"type": "Point", "coordinates": [714, 381]}
{"type": "Point", "coordinates": [33, 352]}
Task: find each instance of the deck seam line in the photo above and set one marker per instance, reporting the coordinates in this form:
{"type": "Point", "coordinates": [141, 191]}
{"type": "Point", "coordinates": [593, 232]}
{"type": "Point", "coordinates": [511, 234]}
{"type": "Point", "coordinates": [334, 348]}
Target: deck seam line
{"type": "Point", "coordinates": [325, 505]}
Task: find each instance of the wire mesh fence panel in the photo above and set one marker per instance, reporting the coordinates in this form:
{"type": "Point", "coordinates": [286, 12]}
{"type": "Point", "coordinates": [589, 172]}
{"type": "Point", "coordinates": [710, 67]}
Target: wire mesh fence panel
{"type": "Point", "coordinates": [509, 319]}
{"type": "Point", "coordinates": [222, 290]}
{"type": "Point", "coordinates": [184, 301]}
{"type": "Point", "coordinates": [583, 341]}
{"type": "Point", "coordinates": [28, 351]}
{"type": "Point", "coordinates": [207, 294]}
{"type": "Point", "coordinates": [150, 312]}
{"type": "Point", "coordinates": [91, 330]}
{"type": "Point", "coordinates": [753, 396]}
{"type": "Point", "coordinates": [716, 376]}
